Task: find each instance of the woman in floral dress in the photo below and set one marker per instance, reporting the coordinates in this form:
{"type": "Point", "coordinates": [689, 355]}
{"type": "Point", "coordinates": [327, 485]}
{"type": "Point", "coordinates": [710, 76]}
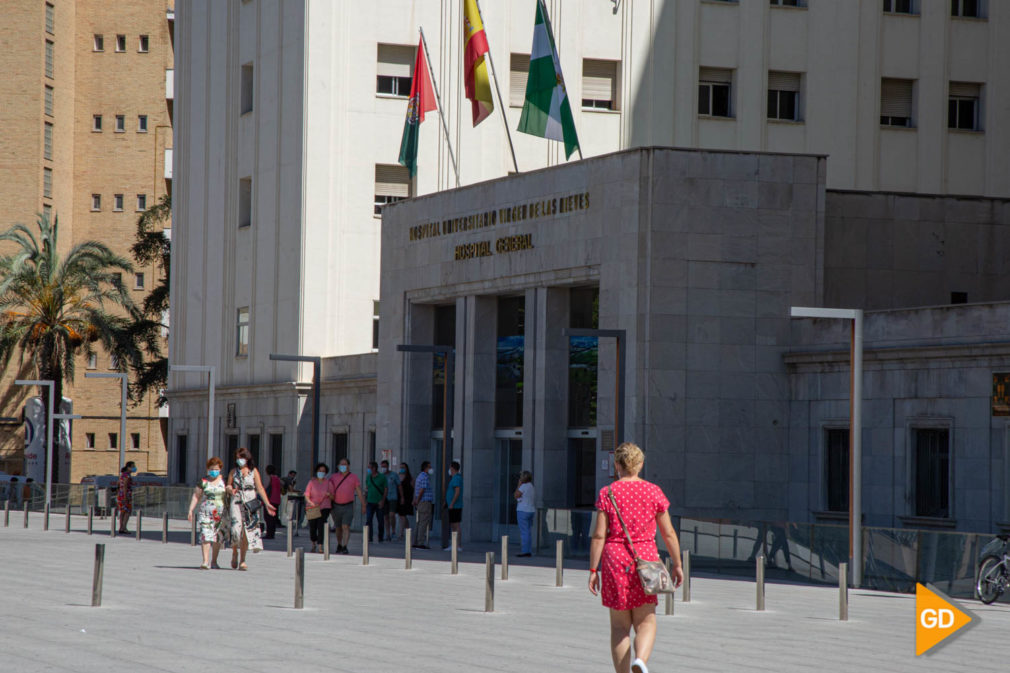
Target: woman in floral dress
{"type": "Point", "coordinates": [245, 485]}
{"type": "Point", "coordinates": [211, 519]}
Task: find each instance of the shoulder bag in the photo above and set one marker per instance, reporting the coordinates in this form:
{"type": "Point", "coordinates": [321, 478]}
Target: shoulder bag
{"type": "Point", "coordinates": [654, 576]}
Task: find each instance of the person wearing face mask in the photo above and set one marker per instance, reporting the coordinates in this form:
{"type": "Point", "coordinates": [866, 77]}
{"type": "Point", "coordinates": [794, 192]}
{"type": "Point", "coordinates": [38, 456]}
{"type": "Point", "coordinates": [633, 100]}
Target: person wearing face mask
{"type": "Point", "coordinates": [210, 518]}
{"type": "Point", "coordinates": [376, 486]}
{"type": "Point", "coordinates": [454, 501]}
{"type": "Point", "coordinates": [319, 500]}
{"type": "Point", "coordinates": [345, 486]}
{"type": "Point", "coordinates": [248, 497]}
{"type": "Point", "coordinates": [124, 495]}
{"type": "Point", "coordinates": [392, 498]}
{"type": "Point", "coordinates": [424, 501]}
{"type": "Point", "coordinates": [404, 506]}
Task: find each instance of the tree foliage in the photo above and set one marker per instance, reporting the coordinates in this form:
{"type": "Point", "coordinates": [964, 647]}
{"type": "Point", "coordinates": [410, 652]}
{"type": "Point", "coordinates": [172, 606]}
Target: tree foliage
{"type": "Point", "coordinates": [153, 247]}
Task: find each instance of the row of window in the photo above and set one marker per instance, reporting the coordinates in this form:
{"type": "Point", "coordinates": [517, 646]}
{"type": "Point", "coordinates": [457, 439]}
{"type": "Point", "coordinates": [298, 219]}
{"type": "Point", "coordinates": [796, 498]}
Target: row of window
{"type": "Point", "coordinates": [974, 9]}
{"type": "Point", "coordinates": [89, 440]}
{"type": "Point", "coordinates": [97, 123]}
{"type": "Point", "coordinates": [117, 202]}
{"type": "Point", "coordinates": [143, 43]}
{"type": "Point", "coordinates": [242, 329]}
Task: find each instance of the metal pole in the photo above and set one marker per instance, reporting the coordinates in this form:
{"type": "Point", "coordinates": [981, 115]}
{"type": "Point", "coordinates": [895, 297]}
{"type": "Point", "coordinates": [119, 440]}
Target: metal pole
{"type": "Point", "coordinates": [7, 513]}
{"type": "Point", "coordinates": [164, 528]}
{"type": "Point", "coordinates": [26, 515]}
{"type": "Point", "coordinates": [856, 438]}
{"type": "Point", "coordinates": [66, 523]}
{"type": "Point", "coordinates": [299, 579]}
{"type": "Point", "coordinates": [210, 415]}
{"type": "Point", "coordinates": [316, 364]}
{"type": "Point", "coordinates": [760, 574]}
{"type": "Point", "coordinates": [91, 520]}
{"type": "Point", "coordinates": [364, 545]}
{"type": "Point", "coordinates": [685, 556]}
{"type": "Point", "coordinates": [406, 548]}
{"type": "Point", "coordinates": [140, 515]}
{"type": "Point", "coordinates": [559, 578]}
{"type": "Point", "coordinates": [669, 596]}
{"type": "Point", "coordinates": [326, 540]}
{"type": "Point", "coordinates": [122, 423]}
{"type": "Point", "coordinates": [112, 521]}
{"type": "Point", "coordinates": [289, 534]}
{"type": "Point", "coordinates": [505, 121]}
{"type": "Point", "coordinates": [192, 533]}
{"type": "Point", "coordinates": [49, 454]}
{"type": "Point", "coordinates": [489, 582]}
{"type": "Point", "coordinates": [45, 517]}
{"type": "Point", "coordinates": [504, 557]}
{"type": "Point", "coordinates": [96, 580]}
{"type": "Point", "coordinates": [438, 102]}
{"type": "Point", "coordinates": [843, 592]}
{"type": "Point", "coordinates": [454, 552]}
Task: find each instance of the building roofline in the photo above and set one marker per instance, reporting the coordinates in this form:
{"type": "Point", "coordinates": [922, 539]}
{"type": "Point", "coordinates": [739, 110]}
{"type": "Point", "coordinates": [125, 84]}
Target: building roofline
{"type": "Point", "coordinates": [920, 195]}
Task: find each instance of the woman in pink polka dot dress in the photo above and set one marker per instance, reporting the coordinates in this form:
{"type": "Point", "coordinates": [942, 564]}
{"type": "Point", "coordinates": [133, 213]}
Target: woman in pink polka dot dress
{"type": "Point", "coordinates": [612, 564]}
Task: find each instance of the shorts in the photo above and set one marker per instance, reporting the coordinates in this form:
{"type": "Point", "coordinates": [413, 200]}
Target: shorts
{"type": "Point", "coordinates": [455, 515]}
{"type": "Point", "coordinates": [343, 514]}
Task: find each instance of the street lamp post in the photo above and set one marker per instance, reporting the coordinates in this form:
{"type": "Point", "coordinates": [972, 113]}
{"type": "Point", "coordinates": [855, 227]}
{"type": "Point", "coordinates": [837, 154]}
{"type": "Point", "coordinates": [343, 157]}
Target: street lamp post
{"type": "Point", "coordinates": [448, 404]}
{"type": "Point", "coordinates": [316, 364]}
{"type": "Point", "coordinates": [620, 335]}
{"type": "Point", "coordinates": [210, 370]}
{"type": "Point", "coordinates": [122, 408]}
{"type": "Point", "coordinates": [49, 432]}
{"type": "Point", "coordinates": [855, 426]}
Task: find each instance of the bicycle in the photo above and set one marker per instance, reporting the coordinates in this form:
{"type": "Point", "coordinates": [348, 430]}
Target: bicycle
{"type": "Point", "coordinates": [993, 569]}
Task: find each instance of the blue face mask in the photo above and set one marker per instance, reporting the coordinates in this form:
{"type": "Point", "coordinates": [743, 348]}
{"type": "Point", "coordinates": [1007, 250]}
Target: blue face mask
{"type": "Point", "coordinates": [342, 468]}
{"type": "Point", "coordinates": [369, 470]}
{"type": "Point", "coordinates": [321, 475]}
{"type": "Point", "coordinates": [402, 471]}
{"type": "Point", "coordinates": [133, 470]}
{"type": "Point", "coordinates": [214, 474]}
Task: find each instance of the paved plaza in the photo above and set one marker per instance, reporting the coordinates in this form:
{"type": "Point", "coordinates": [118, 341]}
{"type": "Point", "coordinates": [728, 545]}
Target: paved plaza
{"type": "Point", "coordinates": [161, 613]}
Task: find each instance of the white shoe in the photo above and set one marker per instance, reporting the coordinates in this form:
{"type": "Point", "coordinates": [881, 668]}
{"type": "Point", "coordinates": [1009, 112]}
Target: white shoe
{"type": "Point", "coordinates": [638, 666]}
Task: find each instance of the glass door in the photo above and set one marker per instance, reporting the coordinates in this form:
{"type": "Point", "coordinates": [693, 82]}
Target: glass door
{"type": "Point", "coordinates": [509, 464]}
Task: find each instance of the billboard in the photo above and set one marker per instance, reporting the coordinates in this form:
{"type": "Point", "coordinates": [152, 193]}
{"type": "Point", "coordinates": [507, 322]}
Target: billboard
{"type": "Point", "coordinates": [35, 441]}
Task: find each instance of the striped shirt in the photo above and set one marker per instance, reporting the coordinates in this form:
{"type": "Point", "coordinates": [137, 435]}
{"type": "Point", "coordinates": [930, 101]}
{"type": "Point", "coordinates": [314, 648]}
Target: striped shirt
{"type": "Point", "coordinates": [423, 481]}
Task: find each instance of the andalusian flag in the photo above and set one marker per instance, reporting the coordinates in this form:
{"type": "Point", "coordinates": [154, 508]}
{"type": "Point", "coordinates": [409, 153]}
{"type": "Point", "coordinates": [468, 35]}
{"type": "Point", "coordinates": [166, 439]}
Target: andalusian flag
{"type": "Point", "coordinates": [547, 112]}
{"type": "Point", "coordinates": [422, 99]}
{"type": "Point", "coordinates": [478, 84]}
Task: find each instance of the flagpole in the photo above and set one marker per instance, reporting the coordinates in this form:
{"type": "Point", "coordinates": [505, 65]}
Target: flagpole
{"type": "Point", "coordinates": [550, 28]}
{"type": "Point", "coordinates": [494, 74]}
{"type": "Point", "coordinates": [438, 102]}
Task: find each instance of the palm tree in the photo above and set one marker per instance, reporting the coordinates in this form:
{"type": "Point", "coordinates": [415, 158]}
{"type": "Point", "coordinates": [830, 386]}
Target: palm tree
{"type": "Point", "coordinates": [55, 307]}
{"type": "Point", "coordinates": [153, 247]}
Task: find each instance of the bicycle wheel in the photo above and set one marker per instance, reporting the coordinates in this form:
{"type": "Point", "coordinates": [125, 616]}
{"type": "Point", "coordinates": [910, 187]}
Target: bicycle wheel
{"type": "Point", "coordinates": [990, 575]}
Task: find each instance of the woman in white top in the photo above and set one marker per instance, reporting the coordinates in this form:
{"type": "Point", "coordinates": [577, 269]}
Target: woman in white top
{"type": "Point", "coordinates": [525, 509]}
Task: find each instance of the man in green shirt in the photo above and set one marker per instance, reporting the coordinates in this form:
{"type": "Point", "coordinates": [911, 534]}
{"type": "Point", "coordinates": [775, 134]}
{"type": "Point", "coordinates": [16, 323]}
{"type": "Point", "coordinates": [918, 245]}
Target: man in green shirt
{"type": "Point", "coordinates": [376, 485]}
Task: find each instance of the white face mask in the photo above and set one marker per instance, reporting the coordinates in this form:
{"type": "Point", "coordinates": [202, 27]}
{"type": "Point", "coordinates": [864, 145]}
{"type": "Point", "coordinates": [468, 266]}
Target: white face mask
{"type": "Point", "coordinates": [431, 470]}
{"type": "Point", "coordinates": [450, 473]}
{"type": "Point", "coordinates": [240, 462]}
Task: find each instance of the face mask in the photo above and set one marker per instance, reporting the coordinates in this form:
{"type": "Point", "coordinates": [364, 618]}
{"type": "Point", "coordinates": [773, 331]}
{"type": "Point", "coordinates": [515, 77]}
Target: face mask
{"type": "Point", "coordinates": [369, 471]}
{"type": "Point", "coordinates": [431, 470]}
{"type": "Point", "coordinates": [450, 473]}
{"type": "Point", "coordinates": [214, 474]}
{"type": "Point", "coordinates": [133, 470]}
{"type": "Point", "coordinates": [321, 475]}
{"type": "Point", "coordinates": [342, 468]}
{"type": "Point", "coordinates": [384, 470]}
{"type": "Point", "coordinates": [403, 471]}
{"type": "Point", "coordinates": [240, 462]}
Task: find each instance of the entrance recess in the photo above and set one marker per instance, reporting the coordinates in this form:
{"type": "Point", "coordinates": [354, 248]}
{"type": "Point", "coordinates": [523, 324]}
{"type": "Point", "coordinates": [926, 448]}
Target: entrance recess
{"type": "Point", "coordinates": [508, 465]}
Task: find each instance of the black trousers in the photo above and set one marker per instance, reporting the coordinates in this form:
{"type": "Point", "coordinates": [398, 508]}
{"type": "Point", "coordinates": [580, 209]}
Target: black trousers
{"type": "Point", "coordinates": [271, 520]}
{"type": "Point", "coordinates": [316, 526]}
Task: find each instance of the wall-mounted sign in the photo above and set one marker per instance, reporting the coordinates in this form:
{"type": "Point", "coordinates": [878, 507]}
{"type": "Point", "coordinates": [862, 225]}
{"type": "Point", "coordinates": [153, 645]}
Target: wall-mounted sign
{"type": "Point", "coordinates": [502, 246]}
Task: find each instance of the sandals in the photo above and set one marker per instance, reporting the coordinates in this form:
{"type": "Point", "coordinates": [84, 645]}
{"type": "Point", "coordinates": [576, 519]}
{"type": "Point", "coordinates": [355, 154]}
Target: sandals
{"type": "Point", "coordinates": [243, 566]}
{"type": "Point", "coordinates": [215, 566]}
{"type": "Point", "coordinates": [204, 566]}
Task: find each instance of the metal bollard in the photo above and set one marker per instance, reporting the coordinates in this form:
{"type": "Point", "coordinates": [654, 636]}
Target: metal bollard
{"type": "Point", "coordinates": [7, 513]}
{"type": "Point", "coordinates": [489, 583]}
{"type": "Point", "coordinates": [140, 516]}
{"type": "Point", "coordinates": [96, 580]}
{"type": "Point", "coordinates": [91, 520]}
{"type": "Point", "coordinates": [45, 518]}
{"type": "Point", "coordinates": [299, 579]}
{"type": "Point", "coordinates": [685, 557]}
{"type": "Point", "coordinates": [26, 515]}
{"type": "Point", "coordinates": [164, 528]}
{"type": "Point", "coordinates": [669, 596]}
{"type": "Point", "coordinates": [759, 573]}
{"type": "Point", "coordinates": [504, 557]}
{"type": "Point", "coordinates": [559, 577]}
{"type": "Point", "coordinates": [192, 533]}
{"type": "Point", "coordinates": [406, 549]}
{"type": "Point", "coordinates": [289, 537]}
{"type": "Point", "coordinates": [112, 522]}
{"type": "Point", "coordinates": [843, 592]}
{"type": "Point", "coordinates": [66, 523]}
{"type": "Point", "coordinates": [364, 545]}
{"type": "Point", "coordinates": [455, 553]}
{"type": "Point", "coordinates": [326, 542]}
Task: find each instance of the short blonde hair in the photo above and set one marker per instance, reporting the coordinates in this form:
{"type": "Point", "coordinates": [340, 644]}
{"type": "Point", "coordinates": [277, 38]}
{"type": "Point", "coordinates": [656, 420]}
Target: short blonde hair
{"type": "Point", "coordinates": [629, 457]}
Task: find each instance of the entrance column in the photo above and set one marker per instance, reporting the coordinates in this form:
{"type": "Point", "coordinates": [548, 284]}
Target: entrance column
{"type": "Point", "coordinates": [545, 444]}
{"type": "Point", "coordinates": [475, 360]}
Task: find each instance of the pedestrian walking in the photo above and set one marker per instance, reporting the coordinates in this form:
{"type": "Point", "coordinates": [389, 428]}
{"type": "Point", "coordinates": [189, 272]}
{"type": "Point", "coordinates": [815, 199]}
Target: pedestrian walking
{"type": "Point", "coordinates": [13, 493]}
{"type": "Point", "coordinates": [404, 506]}
{"type": "Point", "coordinates": [319, 502]}
{"type": "Point", "coordinates": [392, 498]}
{"type": "Point", "coordinates": [274, 488]}
{"type": "Point", "coordinates": [26, 491]}
{"type": "Point", "coordinates": [211, 518]}
{"type": "Point", "coordinates": [124, 495]}
{"type": "Point", "coordinates": [612, 568]}
{"type": "Point", "coordinates": [454, 501]}
{"type": "Point", "coordinates": [346, 486]}
{"type": "Point", "coordinates": [375, 486]}
{"type": "Point", "coordinates": [248, 497]}
{"type": "Point", "coordinates": [525, 511]}
{"type": "Point", "coordinates": [424, 501]}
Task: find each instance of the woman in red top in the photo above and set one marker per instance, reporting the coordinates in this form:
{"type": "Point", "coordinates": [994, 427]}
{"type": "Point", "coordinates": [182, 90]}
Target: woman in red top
{"type": "Point", "coordinates": [643, 506]}
{"type": "Point", "coordinates": [124, 495]}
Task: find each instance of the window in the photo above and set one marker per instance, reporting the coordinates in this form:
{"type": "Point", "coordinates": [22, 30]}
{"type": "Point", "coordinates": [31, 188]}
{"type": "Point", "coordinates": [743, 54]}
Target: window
{"type": "Point", "coordinates": [117, 280]}
{"type": "Point", "coordinates": [47, 183]}
{"type": "Point", "coordinates": [96, 202]}
{"type": "Point", "coordinates": [963, 106]}
{"type": "Point", "coordinates": [141, 123]}
{"type": "Point", "coordinates": [958, 297]}
{"type": "Point", "coordinates": [181, 455]}
{"type": "Point", "coordinates": [242, 332]}
{"type": "Point", "coordinates": [392, 183]}
{"type": "Point", "coordinates": [96, 123]}
{"type": "Point", "coordinates": [896, 102]}
{"type": "Point", "coordinates": [48, 141]}
{"type": "Point", "coordinates": [93, 361]}
{"type": "Point", "coordinates": [599, 84]}
{"type": "Point", "coordinates": [339, 446]}
{"type": "Point", "coordinates": [836, 469]}
{"type": "Point", "coordinates": [89, 440]}
{"type": "Point", "coordinates": [113, 440]}
{"type": "Point", "coordinates": [932, 471]}
{"type": "Point", "coordinates": [393, 69]}
{"type": "Point", "coordinates": [49, 100]}
{"type": "Point", "coordinates": [50, 18]}
{"type": "Point", "coordinates": [714, 92]}
{"type": "Point", "coordinates": [145, 44]}
{"type": "Point", "coordinates": [245, 202]}
{"type": "Point", "coordinates": [789, 3]}
{"type": "Point", "coordinates": [120, 43]}
{"type": "Point", "coordinates": [138, 281]}
{"type": "Point", "coordinates": [784, 96]}
{"type": "Point", "coordinates": [49, 59]}
{"type": "Point", "coordinates": [519, 72]}
{"type": "Point", "coordinates": [141, 202]}
{"type": "Point", "coordinates": [135, 441]}
{"type": "Point", "coordinates": [98, 43]}
{"type": "Point", "coordinates": [375, 325]}
{"type": "Point", "coordinates": [47, 211]}
{"type": "Point", "coordinates": [246, 98]}
{"type": "Point", "coordinates": [969, 9]}
{"type": "Point", "coordinates": [583, 357]}
{"type": "Point", "coordinates": [276, 450]}
{"type": "Point", "coordinates": [120, 123]}
{"type": "Point", "coordinates": [901, 6]}
{"type": "Point", "coordinates": [117, 202]}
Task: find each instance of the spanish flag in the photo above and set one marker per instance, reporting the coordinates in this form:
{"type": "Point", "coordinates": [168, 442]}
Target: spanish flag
{"type": "Point", "coordinates": [478, 84]}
